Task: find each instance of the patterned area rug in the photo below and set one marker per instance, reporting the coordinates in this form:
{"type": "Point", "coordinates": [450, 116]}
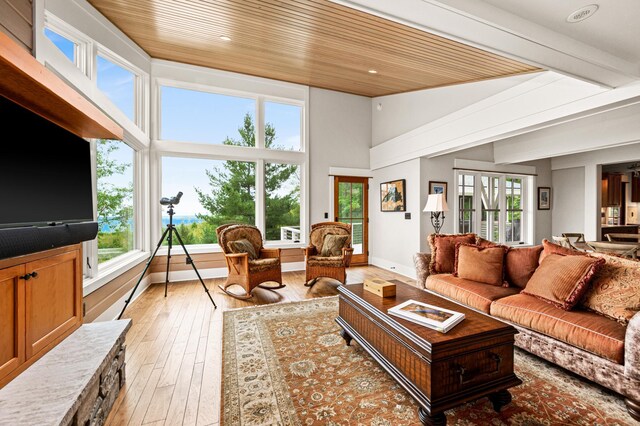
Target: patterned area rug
{"type": "Point", "coordinates": [286, 364]}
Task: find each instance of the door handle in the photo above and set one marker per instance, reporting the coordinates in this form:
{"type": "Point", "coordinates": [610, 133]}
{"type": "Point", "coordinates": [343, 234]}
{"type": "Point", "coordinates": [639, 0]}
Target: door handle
{"type": "Point", "coordinates": [27, 277]}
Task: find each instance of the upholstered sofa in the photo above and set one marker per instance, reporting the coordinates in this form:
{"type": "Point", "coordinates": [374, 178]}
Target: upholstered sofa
{"type": "Point", "coordinates": [591, 345]}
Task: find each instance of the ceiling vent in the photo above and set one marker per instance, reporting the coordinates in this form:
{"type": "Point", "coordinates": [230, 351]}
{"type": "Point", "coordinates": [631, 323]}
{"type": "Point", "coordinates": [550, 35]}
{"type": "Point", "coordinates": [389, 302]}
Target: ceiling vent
{"type": "Point", "coordinates": [582, 13]}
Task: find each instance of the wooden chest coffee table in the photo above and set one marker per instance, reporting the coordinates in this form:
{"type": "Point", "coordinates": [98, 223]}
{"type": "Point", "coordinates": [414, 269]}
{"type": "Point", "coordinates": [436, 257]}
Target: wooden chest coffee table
{"type": "Point", "coordinates": [440, 371]}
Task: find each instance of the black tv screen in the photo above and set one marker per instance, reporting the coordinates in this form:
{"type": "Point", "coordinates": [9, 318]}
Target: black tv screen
{"type": "Point", "coordinates": [45, 171]}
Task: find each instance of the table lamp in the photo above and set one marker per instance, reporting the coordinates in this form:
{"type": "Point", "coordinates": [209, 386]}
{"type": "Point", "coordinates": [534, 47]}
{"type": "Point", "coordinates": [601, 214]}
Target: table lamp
{"type": "Point", "coordinates": [437, 205]}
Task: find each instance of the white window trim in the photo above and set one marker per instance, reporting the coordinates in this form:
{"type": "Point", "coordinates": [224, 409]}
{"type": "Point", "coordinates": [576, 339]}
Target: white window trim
{"type": "Point", "coordinates": [83, 43]}
{"type": "Point", "coordinates": [259, 155]}
{"type": "Point", "coordinates": [480, 168]}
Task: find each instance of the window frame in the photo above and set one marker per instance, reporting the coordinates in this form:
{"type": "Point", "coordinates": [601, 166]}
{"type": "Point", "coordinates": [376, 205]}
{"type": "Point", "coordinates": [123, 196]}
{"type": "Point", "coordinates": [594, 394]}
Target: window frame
{"type": "Point", "coordinates": [258, 154]}
{"type": "Point", "coordinates": [83, 45]}
{"type": "Point", "coordinates": [528, 218]}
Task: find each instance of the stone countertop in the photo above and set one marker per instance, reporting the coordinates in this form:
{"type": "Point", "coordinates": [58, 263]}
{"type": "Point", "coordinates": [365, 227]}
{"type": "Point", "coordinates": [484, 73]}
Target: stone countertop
{"type": "Point", "coordinates": [48, 392]}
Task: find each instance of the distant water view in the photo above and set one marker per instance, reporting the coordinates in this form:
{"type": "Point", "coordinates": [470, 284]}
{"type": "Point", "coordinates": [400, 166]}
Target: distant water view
{"type": "Point", "coordinates": [177, 220]}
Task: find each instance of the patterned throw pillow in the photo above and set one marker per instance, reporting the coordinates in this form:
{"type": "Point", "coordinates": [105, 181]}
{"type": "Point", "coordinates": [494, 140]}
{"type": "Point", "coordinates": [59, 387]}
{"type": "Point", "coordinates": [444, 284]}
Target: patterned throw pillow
{"type": "Point", "coordinates": [562, 280]}
{"type": "Point", "coordinates": [332, 245]}
{"type": "Point", "coordinates": [615, 292]}
{"type": "Point", "coordinates": [443, 251]}
{"type": "Point", "coordinates": [243, 246]}
{"type": "Point", "coordinates": [481, 264]}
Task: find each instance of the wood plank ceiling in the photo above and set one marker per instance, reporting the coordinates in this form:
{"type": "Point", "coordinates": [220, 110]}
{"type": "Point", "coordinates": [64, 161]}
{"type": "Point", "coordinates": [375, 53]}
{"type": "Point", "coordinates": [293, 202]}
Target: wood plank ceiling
{"type": "Point", "coordinates": [312, 42]}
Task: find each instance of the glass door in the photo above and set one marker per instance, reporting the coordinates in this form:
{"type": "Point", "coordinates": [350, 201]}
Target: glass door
{"type": "Point", "coordinates": [351, 205]}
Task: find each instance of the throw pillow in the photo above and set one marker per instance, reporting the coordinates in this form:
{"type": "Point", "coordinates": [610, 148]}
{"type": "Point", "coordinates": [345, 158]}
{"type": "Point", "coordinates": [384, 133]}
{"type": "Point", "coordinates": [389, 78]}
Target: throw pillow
{"type": "Point", "coordinates": [481, 242]}
{"type": "Point", "coordinates": [443, 251]}
{"type": "Point", "coordinates": [562, 280]}
{"type": "Point", "coordinates": [332, 245]}
{"type": "Point", "coordinates": [481, 264]}
{"type": "Point", "coordinates": [520, 264]}
{"type": "Point", "coordinates": [243, 246]}
{"type": "Point", "coordinates": [550, 248]}
{"type": "Point", "coordinates": [615, 291]}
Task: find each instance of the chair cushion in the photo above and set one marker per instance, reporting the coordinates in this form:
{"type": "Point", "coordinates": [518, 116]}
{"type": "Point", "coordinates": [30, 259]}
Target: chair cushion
{"type": "Point", "coordinates": [260, 265]}
{"type": "Point", "coordinates": [443, 251]}
{"type": "Point", "coordinates": [242, 246]}
{"type": "Point", "coordinates": [615, 289]}
{"type": "Point", "coordinates": [520, 264]}
{"type": "Point", "coordinates": [470, 293]}
{"type": "Point", "coordinates": [587, 330]}
{"type": "Point", "coordinates": [481, 264]}
{"type": "Point", "coordinates": [333, 244]}
{"type": "Point", "coordinates": [240, 232]}
{"type": "Point", "coordinates": [335, 261]}
{"type": "Point", "coordinates": [550, 248]}
{"type": "Point", "coordinates": [320, 230]}
{"type": "Point", "coordinates": [563, 280]}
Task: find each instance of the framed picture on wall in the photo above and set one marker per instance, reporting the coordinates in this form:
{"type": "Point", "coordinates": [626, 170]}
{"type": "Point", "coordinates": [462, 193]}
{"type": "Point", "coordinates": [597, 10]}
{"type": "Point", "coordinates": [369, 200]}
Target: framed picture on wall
{"type": "Point", "coordinates": [438, 188]}
{"type": "Point", "coordinates": [544, 198]}
{"type": "Point", "coordinates": [392, 196]}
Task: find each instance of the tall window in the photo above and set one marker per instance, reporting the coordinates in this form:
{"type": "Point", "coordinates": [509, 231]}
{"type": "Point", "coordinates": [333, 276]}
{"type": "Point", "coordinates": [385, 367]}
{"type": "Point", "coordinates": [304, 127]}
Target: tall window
{"type": "Point", "coordinates": [466, 210]}
{"type": "Point", "coordinates": [237, 174]}
{"type": "Point", "coordinates": [514, 223]}
{"type": "Point", "coordinates": [119, 84]}
{"type": "Point", "coordinates": [114, 172]}
{"type": "Point", "coordinates": [215, 192]}
{"type": "Point", "coordinates": [501, 203]}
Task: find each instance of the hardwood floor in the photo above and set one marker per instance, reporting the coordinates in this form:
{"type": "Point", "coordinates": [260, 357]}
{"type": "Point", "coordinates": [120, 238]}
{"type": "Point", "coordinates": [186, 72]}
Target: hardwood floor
{"type": "Point", "coordinates": [174, 347]}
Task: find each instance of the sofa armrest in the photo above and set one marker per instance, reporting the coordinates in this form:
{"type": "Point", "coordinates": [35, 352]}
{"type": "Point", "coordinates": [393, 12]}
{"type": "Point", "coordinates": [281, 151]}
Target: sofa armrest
{"type": "Point", "coordinates": [421, 261]}
{"type": "Point", "coordinates": [632, 348]}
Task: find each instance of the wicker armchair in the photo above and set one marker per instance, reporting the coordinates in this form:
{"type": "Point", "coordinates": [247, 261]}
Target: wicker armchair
{"type": "Point", "coordinates": [327, 266]}
{"type": "Point", "coordinates": [243, 271]}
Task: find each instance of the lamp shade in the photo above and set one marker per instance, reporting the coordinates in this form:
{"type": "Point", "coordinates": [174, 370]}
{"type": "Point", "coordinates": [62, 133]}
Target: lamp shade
{"type": "Point", "coordinates": [436, 203]}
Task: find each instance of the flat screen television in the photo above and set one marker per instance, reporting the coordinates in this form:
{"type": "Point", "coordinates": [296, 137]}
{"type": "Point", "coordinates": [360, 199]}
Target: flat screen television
{"type": "Point", "coordinates": [45, 171]}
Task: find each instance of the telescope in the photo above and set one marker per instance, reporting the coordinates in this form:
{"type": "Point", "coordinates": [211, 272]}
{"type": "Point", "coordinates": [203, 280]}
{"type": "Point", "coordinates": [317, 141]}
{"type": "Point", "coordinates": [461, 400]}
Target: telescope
{"type": "Point", "coordinates": [171, 201]}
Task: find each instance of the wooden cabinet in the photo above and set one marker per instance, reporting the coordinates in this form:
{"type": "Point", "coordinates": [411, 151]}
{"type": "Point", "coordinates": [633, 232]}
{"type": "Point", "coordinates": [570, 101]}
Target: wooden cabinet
{"type": "Point", "coordinates": [635, 189]}
{"type": "Point", "coordinates": [611, 189]}
{"type": "Point", "coordinates": [40, 304]}
{"type": "Point", "coordinates": [12, 347]}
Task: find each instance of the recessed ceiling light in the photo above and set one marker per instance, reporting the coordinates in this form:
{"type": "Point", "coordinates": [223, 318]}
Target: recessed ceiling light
{"type": "Point", "coordinates": [372, 71]}
{"type": "Point", "coordinates": [225, 38]}
{"type": "Point", "coordinates": [582, 13]}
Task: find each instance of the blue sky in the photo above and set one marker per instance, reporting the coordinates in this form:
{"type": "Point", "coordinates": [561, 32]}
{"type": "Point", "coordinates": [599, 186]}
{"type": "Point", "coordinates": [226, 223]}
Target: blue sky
{"type": "Point", "coordinates": [191, 116]}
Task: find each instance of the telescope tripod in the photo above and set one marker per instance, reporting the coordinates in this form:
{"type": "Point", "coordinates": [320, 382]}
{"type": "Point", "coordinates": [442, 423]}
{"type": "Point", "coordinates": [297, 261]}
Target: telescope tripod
{"type": "Point", "coordinates": [168, 233]}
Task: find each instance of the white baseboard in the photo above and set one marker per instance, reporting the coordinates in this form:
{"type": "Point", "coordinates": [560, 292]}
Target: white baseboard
{"type": "Point", "coordinates": [407, 271]}
{"type": "Point", "coordinates": [113, 311]}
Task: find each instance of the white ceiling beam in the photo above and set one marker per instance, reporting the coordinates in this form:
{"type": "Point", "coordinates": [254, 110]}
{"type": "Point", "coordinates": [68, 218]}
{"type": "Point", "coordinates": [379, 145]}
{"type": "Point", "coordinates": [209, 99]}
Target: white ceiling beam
{"type": "Point", "coordinates": [543, 98]}
{"type": "Point", "coordinates": [503, 33]}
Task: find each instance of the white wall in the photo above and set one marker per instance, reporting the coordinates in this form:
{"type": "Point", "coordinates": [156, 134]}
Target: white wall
{"type": "Point", "coordinates": [406, 111]}
{"type": "Point", "coordinates": [340, 136]}
{"type": "Point", "coordinates": [567, 200]}
{"type": "Point", "coordinates": [393, 239]}
{"type": "Point", "coordinates": [544, 218]}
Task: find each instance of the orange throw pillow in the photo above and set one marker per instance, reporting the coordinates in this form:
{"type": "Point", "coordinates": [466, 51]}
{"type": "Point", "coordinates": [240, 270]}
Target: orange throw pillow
{"type": "Point", "coordinates": [562, 280]}
{"type": "Point", "coordinates": [520, 264]}
{"type": "Point", "coordinates": [550, 248]}
{"type": "Point", "coordinates": [443, 251]}
{"type": "Point", "coordinates": [481, 264]}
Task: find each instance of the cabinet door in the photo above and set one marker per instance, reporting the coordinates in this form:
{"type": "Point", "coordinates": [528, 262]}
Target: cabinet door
{"type": "Point", "coordinates": [53, 299]}
{"type": "Point", "coordinates": [635, 189]}
{"type": "Point", "coordinates": [12, 350]}
{"type": "Point", "coordinates": [615, 190]}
